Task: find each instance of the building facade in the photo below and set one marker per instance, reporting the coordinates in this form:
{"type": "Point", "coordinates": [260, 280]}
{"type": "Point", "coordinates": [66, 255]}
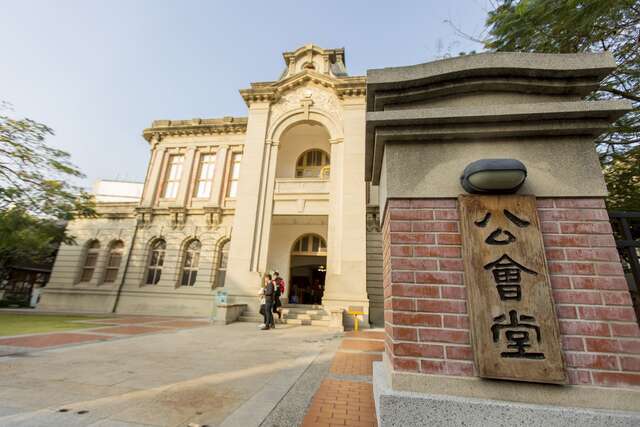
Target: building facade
{"type": "Point", "coordinates": [226, 200]}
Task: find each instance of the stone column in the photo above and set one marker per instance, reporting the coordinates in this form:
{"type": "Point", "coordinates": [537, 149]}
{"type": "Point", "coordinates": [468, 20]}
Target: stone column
{"type": "Point", "coordinates": [346, 253]}
{"type": "Point", "coordinates": [242, 279]}
{"type": "Point", "coordinates": [187, 178]}
{"type": "Point", "coordinates": [153, 176]}
{"type": "Point", "coordinates": [266, 208]}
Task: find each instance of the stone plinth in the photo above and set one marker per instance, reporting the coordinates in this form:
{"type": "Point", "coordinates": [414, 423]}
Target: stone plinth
{"type": "Point", "coordinates": [228, 313]}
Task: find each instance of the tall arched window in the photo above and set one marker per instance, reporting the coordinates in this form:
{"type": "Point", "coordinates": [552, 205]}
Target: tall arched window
{"type": "Point", "coordinates": [190, 263]}
{"type": "Point", "coordinates": [113, 263]}
{"type": "Point", "coordinates": [156, 261]}
{"type": "Point", "coordinates": [310, 244]}
{"type": "Point", "coordinates": [313, 164]}
{"type": "Point", "coordinates": [90, 260]}
{"type": "Point", "coordinates": [223, 258]}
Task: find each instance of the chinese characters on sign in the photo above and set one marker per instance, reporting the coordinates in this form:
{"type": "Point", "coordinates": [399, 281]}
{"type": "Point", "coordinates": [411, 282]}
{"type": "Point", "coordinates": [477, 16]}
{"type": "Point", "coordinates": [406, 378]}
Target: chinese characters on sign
{"type": "Point", "coordinates": [514, 327]}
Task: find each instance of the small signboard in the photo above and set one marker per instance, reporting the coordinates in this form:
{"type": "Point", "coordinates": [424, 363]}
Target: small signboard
{"type": "Point", "coordinates": [514, 327]}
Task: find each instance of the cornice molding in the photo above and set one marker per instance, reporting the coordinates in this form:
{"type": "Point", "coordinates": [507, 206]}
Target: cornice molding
{"type": "Point", "coordinates": [195, 127]}
{"type": "Point", "coordinates": [272, 91]}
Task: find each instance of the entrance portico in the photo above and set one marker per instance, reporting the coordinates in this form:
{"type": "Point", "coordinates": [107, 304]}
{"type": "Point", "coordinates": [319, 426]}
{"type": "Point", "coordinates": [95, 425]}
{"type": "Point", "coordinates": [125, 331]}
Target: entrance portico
{"type": "Point", "coordinates": [307, 122]}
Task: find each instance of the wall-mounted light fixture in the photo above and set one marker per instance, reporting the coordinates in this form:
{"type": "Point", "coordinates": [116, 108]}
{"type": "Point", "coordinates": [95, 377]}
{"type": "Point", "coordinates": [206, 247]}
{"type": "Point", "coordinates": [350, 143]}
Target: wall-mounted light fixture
{"type": "Point", "coordinates": [493, 176]}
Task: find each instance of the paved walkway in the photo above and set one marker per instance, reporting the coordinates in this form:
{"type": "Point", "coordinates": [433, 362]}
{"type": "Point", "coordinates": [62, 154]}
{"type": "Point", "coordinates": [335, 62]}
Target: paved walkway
{"type": "Point", "coordinates": [155, 372]}
{"type": "Point", "coordinates": [345, 396]}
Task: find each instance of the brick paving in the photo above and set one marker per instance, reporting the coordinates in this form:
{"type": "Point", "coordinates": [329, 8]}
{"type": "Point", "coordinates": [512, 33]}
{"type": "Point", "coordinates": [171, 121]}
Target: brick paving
{"type": "Point", "coordinates": [106, 329]}
{"type": "Point", "coordinates": [372, 335]}
{"type": "Point", "coordinates": [354, 363]}
{"type": "Point", "coordinates": [362, 345]}
{"type": "Point", "coordinates": [51, 340]}
{"type": "Point", "coordinates": [342, 400]}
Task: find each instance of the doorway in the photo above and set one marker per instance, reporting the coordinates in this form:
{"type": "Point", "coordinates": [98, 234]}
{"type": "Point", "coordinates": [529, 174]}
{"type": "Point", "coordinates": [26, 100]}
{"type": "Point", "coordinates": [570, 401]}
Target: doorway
{"type": "Point", "coordinates": [307, 270]}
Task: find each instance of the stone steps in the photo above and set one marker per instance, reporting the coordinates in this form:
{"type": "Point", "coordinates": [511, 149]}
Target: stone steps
{"type": "Point", "coordinates": [294, 314]}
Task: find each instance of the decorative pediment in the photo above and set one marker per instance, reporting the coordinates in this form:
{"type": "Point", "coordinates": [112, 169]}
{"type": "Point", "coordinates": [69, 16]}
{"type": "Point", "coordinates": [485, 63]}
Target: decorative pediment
{"type": "Point", "coordinates": [272, 92]}
{"type": "Point", "coordinates": [307, 65]}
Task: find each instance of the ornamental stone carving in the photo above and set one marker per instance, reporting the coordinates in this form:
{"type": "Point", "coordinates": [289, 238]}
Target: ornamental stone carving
{"type": "Point", "coordinates": [178, 217]}
{"type": "Point", "coordinates": [306, 97]}
{"type": "Point", "coordinates": [213, 215]}
{"type": "Point", "coordinates": [144, 216]}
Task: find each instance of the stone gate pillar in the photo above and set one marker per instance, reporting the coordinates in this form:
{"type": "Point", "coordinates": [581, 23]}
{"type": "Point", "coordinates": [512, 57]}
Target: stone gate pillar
{"type": "Point", "coordinates": [565, 316]}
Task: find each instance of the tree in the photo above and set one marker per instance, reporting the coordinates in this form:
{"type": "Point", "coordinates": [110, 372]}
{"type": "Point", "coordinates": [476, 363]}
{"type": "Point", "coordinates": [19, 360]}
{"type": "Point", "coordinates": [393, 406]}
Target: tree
{"type": "Point", "coordinates": [568, 26]}
{"type": "Point", "coordinates": [35, 177]}
{"type": "Point", "coordinates": [28, 239]}
{"type": "Point", "coordinates": [622, 174]}
{"type": "Point", "coordinates": [36, 197]}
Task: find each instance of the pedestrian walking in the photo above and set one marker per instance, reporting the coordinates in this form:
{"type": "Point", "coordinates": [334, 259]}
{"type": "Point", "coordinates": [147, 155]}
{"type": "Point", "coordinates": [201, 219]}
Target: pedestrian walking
{"type": "Point", "coordinates": [269, 295]}
{"type": "Point", "coordinates": [279, 290]}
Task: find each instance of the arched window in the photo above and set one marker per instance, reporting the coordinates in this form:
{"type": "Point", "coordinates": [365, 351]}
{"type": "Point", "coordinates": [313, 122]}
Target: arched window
{"type": "Point", "coordinates": [310, 244]}
{"type": "Point", "coordinates": [223, 258]}
{"type": "Point", "coordinates": [156, 261]}
{"type": "Point", "coordinates": [90, 260]}
{"type": "Point", "coordinates": [113, 263]}
{"type": "Point", "coordinates": [190, 263]}
{"type": "Point", "coordinates": [313, 164]}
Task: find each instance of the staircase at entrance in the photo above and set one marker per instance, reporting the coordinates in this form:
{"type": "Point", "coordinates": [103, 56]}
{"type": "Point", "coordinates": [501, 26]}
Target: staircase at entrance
{"type": "Point", "coordinates": [294, 314]}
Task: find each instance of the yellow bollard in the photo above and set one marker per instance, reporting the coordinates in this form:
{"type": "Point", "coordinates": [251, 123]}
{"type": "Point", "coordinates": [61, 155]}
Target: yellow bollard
{"type": "Point", "coordinates": [355, 312]}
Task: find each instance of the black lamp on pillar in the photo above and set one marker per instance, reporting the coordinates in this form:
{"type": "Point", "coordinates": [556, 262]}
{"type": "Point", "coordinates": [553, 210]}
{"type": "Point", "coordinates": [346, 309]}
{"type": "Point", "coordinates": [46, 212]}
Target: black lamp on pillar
{"type": "Point", "coordinates": [493, 176]}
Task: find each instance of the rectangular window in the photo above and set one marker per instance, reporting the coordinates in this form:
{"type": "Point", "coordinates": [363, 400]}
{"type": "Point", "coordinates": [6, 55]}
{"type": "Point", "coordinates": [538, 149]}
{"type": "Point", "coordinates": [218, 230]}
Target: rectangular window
{"type": "Point", "coordinates": [234, 175]}
{"type": "Point", "coordinates": [89, 267]}
{"type": "Point", "coordinates": [205, 175]}
{"type": "Point", "coordinates": [174, 174]}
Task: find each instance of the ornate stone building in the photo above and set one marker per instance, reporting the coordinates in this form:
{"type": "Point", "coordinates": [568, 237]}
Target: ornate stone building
{"type": "Point", "coordinates": [226, 200]}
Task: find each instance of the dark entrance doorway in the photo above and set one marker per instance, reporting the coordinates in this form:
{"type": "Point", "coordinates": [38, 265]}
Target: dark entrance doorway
{"type": "Point", "coordinates": [308, 270]}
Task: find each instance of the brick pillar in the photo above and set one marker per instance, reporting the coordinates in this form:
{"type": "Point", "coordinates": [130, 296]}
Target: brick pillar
{"type": "Point", "coordinates": [426, 321]}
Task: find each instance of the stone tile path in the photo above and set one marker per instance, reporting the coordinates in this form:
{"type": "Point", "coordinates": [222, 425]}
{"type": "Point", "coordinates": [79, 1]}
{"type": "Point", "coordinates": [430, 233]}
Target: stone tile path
{"type": "Point", "coordinates": [345, 397]}
{"type": "Point", "coordinates": [223, 376]}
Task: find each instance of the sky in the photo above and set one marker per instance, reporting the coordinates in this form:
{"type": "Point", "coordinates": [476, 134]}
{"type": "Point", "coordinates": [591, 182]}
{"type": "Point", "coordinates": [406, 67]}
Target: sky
{"type": "Point", "coordinates": [99, 72]}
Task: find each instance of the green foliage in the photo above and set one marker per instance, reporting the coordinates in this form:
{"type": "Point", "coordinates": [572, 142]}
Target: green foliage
{"type": "Point", "coordinates": [568, 26]}
{"type": "Point", "coordinates": [36, 197]}
{"type": "Point", "coordinates": [27, 238]}
{"type": "Point", "coordinates": [623, 180]}
{"type": "Point", "coordinates": [35, 177]}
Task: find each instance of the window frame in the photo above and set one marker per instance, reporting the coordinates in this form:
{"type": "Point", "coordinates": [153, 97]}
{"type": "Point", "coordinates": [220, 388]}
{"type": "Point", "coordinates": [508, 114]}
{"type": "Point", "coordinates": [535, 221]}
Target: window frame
{"type": "Point", "coordinates": [92, 252]}
{"type": "Point", "coordinates": [189, 274]}
{"type": "Point", "coordinates": [199, 179]}
{"type": "Point", "coordinates": [305, 162]}
{"type": "Point", "coordinates": [309, 240]}
{"type": "Point", "coordinates": [223, 256]}
{"type": "Point", "coordinates": [158, 267]}
{"type": "Point", "coordinates": [116, 248]}
{"type": "Point", "coordinates": [174, 182]}
{"type": "Point", "coordinates": [229, 175]}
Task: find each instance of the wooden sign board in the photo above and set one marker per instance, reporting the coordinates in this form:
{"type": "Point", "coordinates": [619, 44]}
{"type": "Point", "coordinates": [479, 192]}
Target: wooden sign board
{"type": "Point", "coordinates": [514, 327]}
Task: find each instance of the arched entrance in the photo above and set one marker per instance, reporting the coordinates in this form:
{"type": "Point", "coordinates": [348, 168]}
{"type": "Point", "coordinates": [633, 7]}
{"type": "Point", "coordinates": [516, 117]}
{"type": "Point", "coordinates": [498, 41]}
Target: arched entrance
{"type": "Point", "coordinates": [307, 269]}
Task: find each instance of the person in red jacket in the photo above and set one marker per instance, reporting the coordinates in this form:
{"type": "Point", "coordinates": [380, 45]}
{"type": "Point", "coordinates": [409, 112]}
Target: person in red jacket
{"type": "Point", "coordinates": [279, 290]}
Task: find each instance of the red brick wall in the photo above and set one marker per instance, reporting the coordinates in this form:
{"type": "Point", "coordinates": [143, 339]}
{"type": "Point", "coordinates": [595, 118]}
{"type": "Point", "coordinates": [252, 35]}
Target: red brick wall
{"type": "Point", "coordinates": [427, 326]}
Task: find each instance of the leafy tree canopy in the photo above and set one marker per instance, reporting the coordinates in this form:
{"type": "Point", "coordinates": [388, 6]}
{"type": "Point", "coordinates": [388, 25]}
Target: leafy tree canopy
{"type": "Point", "coordinates": [568, 26]}
{"type": "Point", "coordinates": [622, 174]}
{"type": "Point", "coordinates": [35, 177]}
{"type": "Point", "coordinates": [36, 197]}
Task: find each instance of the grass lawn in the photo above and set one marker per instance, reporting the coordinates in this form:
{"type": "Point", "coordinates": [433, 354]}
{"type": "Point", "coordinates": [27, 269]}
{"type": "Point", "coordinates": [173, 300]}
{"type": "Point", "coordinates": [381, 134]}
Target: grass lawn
{"type": "Point", "coordinates": [18, 324]}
